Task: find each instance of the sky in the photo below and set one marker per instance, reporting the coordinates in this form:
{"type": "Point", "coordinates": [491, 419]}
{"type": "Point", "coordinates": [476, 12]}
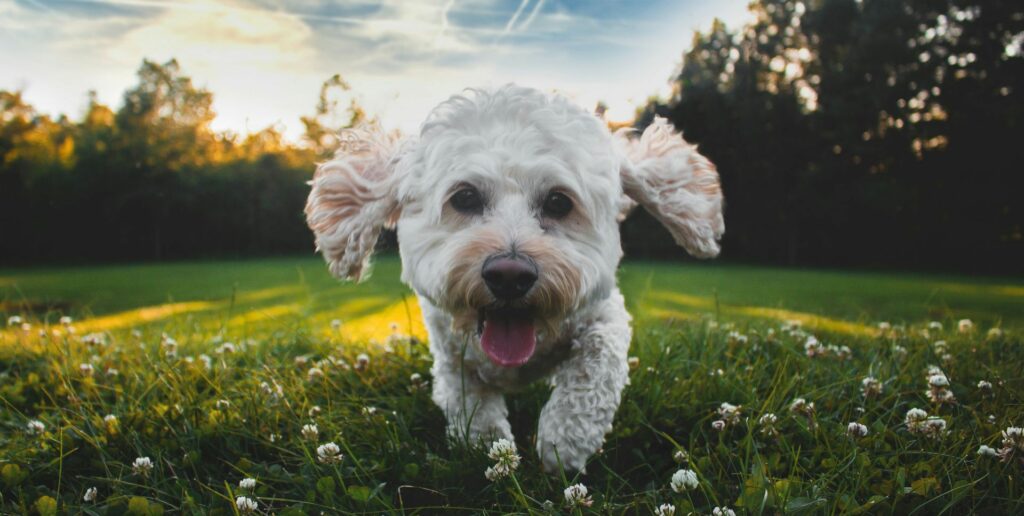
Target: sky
{"type": "Point", "coordinates": [264, 60]}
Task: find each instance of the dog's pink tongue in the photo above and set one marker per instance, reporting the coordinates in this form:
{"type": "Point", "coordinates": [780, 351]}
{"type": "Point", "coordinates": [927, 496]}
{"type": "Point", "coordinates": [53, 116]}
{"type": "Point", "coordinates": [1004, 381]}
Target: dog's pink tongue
{"type": "Point", "coordinates": [508, 341]}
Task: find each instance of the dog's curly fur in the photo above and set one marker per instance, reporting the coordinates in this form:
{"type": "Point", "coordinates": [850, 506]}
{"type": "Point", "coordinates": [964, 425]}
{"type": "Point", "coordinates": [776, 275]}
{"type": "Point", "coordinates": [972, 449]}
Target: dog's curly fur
{"type": "Point", "coordinates": [515, 146]}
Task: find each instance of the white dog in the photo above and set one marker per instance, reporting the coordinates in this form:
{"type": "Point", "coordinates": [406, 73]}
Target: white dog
{"type": "Point", "coordinates": [507, 207]}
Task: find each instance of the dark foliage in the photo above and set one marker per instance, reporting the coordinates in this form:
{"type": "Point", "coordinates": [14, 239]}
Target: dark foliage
{"type": "Point", "coordinates": [867, 133]}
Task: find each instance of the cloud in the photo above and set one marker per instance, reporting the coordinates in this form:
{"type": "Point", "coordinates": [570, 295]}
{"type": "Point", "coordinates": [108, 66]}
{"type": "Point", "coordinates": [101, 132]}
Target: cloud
{"type": "Point", "coordinates": [254, 60]}
{"type": "Point", "coordinates": [264, 60]}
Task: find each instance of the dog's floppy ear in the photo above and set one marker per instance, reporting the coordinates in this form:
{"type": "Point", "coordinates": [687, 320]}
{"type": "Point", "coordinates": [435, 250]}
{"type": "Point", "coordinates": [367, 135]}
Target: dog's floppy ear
{"type": "Point", "coordinates": [354, 196]}
{"type": "Point", "coordinates": [678, 186]}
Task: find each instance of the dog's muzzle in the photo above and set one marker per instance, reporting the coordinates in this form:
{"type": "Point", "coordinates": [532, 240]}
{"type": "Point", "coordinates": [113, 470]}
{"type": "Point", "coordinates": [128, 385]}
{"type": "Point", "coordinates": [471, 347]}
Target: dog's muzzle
{"type": "Point", "coordinates": [507, 333]}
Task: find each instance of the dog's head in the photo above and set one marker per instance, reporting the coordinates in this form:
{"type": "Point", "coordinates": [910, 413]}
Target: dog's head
{"type": "Point", "coordinates": [507, 208]}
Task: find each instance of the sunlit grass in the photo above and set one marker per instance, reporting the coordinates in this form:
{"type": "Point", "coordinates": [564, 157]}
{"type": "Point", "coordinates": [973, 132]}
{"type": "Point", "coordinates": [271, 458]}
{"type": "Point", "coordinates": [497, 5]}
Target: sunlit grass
{"type": "Point", "coordinates": [704, 336]}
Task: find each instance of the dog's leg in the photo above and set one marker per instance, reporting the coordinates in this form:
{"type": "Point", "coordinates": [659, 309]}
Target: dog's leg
{"type": "Point", "coordinates": [587, 391]}
{"type": "Point", "coordinates": [474, 412]}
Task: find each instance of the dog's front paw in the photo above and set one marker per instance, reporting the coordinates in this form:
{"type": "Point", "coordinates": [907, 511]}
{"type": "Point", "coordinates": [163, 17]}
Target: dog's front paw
{"type": "Point", "coordinates": [561, 444]}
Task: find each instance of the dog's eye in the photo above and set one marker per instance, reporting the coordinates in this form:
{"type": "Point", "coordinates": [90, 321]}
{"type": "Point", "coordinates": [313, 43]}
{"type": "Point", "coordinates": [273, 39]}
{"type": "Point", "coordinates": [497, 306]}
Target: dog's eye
{"type": "Point", "coordinates": [467, 200]}
{"type": "Point", "coordinates": [557, 205]}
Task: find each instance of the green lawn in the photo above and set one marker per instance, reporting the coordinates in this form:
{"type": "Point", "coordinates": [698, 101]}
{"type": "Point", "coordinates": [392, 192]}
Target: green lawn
{"type": "Point", "coordinates": [208, 415]}
{"type": "Point", "coordinates": [302, 287]}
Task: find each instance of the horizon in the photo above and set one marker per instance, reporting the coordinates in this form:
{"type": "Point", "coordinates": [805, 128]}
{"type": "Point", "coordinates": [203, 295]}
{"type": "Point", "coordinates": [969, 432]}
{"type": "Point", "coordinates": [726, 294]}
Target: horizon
{"type": "Point", "coordinates": [264, 60]}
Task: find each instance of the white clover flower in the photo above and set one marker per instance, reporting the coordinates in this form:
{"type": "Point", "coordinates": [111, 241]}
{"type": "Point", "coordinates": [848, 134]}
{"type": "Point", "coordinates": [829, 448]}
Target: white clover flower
{"type": "Point", "coordinates": [206, 360]}
{"type": "Point", "coordinates": [26, 327]}
{"type": "Point", "coordinates": [329, 453]}
{"type": "Point", "coordinates": [247, 483]}
{"type": "Point", "coordinates": [937, 387]}
{"type": "Point", "coordinates": [495, 473]}
{"type": "Point", "coordinates": [899, 352]}
{"type": "Point", "coordinates": [934, 427]}
{"type": "Point", "coordinates": [683, 480]}
{"type": "Point", "coordinates": [14, 320]}
{"type": "Point", "coordinates": [933, 370]}
{"type": "Point", "coordinates": [336, 324]}
{"type": "Point", "coordinates": [718, 425]}
{"type": "Point", "coordinates": [362, 362]}
{"type": "Point", "coordinates": [985, 451]}
{"type": "Point", "coordinates": [417, 382]}
{"type": "Point", "coordinates": [369, 411]}
{"type": "Point", "coordinates": [767, 423]}
{"type": "Point", "coordinates": [940, 347]}
{"type": "Point", "coordinates": [633, 363]}
{"type": "Point", "coordinates": [736, 337]}
{"type": "Point", "coordinates": [935, 325]}
{"type": "Point", "coordinates": [964, 325]}
{"type": "Point", "coordinates": [802, 407]}
{"type": "Point", "coordinates": [314, 373]}
{"type": "Point", "coordinates": [86, 369]}
{"type": "Point", "coordinates": [665, 509]}
{"type": "Point", "coordinates": [272, 437]}
{"type": "Point", "coordinates": [985, 385]}
{"type": "Point", "coordinates": [722, 511]}
{"type": "Point", "coordinates": [310, 432]}
{"type": "Point", "coordinates": [314, 411]}
{"type": "Point", "coordinates": [503, 452]}
{"type": "Point", "coordinates": [110, 419]}
{"type": "Point", "coordinates": [729, 413]}
{"type": "Point", "coordinates": [246, 504]}
{"type": "Point", "coordinates": [65, 321]}
{"type": "Point", "coordinates": [223, 404]}
{"type": "Point", "coordinates": [681, 457]}
{"type": "Point", "coordinates": [812, 347]}
{"type": "Point", "coordinates": [842, 352]}
{"type": "Point", "coordinates": [995, 333]}
{"type": "Point", "coordinates": [301, 361]}
{"type": "Point", "coordinates": [142, 466]}
{"type": "Point", "coordinates": [856, 430]}
{"type": "Point", "coordinates": [273, 392]}
{"type": "Point", "coordinates": [90, 495]}
{"type": "Point", "coordinates": [914, 418]}
{"type": "Point", "coordinates": [226, 348]}
{"type": "Point", "coordinates": [1013, 443]}
{"type": "Point", "coordinates": [576, 496]}
{"type": "Point", "coordinates": [870, 386]}
{"type": "Point", "coordinates": [112, 372]}
{"type": "Point", "coordinates": [35, 427]}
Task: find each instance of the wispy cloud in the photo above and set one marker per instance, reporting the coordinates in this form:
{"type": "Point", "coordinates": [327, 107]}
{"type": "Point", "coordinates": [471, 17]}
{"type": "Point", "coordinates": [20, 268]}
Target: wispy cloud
{"type": "Point", "coordinates": [533, 15]}
{"type": "Point", "coordinates": [515, 16]}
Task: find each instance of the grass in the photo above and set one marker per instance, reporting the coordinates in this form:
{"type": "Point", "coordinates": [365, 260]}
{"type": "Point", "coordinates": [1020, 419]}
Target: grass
{"type": "Point", "coordinates": [704, 336]}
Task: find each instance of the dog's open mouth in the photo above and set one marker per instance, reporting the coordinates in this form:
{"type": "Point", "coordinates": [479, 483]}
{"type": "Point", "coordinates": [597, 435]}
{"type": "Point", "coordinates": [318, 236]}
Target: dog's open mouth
{"type": "Point", "coordinates": [507, 335]}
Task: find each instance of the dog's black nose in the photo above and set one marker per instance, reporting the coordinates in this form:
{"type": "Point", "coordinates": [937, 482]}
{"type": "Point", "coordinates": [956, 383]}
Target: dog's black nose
{"type": "Point", "coordinates": [509, 277]}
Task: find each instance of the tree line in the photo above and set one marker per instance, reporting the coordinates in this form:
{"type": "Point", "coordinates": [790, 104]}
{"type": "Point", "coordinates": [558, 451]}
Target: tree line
{"type": "Point", "coordinates": [861, 133]}
{"type": "Point", "coordinates": [151, 180]}
{"type": "Point", "coordinates": [846, 133]}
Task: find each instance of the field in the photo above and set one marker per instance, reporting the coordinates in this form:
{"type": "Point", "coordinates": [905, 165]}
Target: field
{"type": "Point", "coordinates": [213, 369]}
